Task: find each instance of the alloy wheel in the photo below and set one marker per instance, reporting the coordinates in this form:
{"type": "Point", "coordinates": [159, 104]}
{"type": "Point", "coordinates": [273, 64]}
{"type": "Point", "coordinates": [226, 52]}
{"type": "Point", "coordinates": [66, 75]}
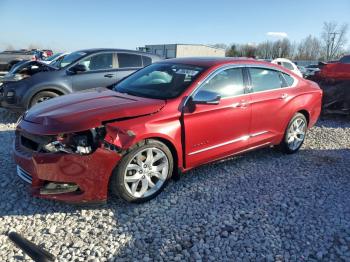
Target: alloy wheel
{"type": "Point", "coordinates": [296, 133]}
{"type": "Point", "coordinates": [42, 99]}
{"type": "Point", "coordinates": [146, 172]}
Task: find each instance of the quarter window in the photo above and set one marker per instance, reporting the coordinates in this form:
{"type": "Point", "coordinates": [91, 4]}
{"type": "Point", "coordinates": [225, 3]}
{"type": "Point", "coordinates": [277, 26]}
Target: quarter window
{"type": "Point", "coordinates": [98, 62]}
{"type": "Point", "coordinates": [129, 60]}
{"type": "Point", "coordinates": [226, 83]}
{"type": "Point", "coordinates": [289, 79]}
{"type": "Point", "coordinates": [264, 79]}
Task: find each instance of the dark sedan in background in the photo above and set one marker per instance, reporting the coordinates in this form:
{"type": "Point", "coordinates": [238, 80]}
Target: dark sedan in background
{"type": "Point", "coordinates": [78, 71]}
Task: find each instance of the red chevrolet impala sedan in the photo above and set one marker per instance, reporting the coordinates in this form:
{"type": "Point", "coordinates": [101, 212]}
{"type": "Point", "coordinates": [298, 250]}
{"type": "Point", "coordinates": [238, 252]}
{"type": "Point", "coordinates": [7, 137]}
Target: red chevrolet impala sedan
{"type": "Point", "coordinates": [169, 117]}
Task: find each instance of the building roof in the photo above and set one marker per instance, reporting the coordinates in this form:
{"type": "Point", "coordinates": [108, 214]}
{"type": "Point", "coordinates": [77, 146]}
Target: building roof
{"type": "Point", "coordinates": [210, 46]}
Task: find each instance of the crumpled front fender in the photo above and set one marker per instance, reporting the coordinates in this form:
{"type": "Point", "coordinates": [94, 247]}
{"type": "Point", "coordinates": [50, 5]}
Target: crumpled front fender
{"type": "Point", "coordinates": [119, 137]}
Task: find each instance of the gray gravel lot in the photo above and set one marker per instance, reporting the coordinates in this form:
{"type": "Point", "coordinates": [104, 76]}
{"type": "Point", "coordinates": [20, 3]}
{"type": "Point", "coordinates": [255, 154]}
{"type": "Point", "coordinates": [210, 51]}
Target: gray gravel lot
{"type": "Point", "coordinates": [262, 206]}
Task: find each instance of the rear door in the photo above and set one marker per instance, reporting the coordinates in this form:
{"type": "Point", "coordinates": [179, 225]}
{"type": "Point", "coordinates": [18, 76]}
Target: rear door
{"type": "Point", "coordinates": [128, 63]}
{"type": "Point", "coordinates": [101, 72]}
{"type": "Point", "coordinates": [271, 91]}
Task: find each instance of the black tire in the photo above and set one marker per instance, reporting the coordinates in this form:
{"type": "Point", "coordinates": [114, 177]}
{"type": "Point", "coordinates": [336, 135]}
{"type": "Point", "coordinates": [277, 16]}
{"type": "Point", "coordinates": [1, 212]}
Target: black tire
{"type": "Point", "coordinates": [284, 146]}
{"type": "Point", "coordinates": [42, 96]}
{"type": "Point", "coordinates": [117, 186]}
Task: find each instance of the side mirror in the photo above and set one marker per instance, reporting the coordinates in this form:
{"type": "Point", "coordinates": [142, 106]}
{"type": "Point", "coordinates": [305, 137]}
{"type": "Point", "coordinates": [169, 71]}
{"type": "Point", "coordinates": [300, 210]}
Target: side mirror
{"type": "Point", "coordinates": [78, 68]}
{"type": "Point", "coordinates": [206, 98]}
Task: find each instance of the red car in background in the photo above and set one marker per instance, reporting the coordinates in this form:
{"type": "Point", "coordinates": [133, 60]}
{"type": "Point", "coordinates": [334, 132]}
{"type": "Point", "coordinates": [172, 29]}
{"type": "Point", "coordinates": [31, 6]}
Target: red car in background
{"type": "Point", "coordinates": [336, 70]}
{"type": "Point", "coordinates": [48, 52]}
{"type": "Point", "coordinates": [170, 116]}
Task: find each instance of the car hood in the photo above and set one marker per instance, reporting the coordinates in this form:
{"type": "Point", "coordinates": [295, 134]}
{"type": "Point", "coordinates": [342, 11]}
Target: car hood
{"type": "Point", "coordinates": [15, 74]}
{"type": "Point", "coordinates": [85, 110]}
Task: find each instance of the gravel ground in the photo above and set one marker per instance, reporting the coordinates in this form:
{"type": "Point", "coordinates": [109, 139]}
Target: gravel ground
{"type": "Point", "coordinates": [262, 206]}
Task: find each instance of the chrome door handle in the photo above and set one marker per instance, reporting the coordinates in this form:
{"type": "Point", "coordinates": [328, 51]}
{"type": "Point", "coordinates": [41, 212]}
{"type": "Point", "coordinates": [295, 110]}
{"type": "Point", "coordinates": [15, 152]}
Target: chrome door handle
{"type": "Point", "coordinates": [241, 104]}
{"type": "Point", "coordinates": [283, 96]}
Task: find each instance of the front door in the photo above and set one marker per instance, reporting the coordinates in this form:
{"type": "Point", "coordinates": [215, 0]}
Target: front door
{"type": "Point", "coordinates": [215, 131]}
{"type": "Point", "coordinates": [101, 72]}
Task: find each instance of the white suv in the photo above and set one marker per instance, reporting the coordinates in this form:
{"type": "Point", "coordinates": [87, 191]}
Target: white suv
{"type": "Point", "coordinates": [287, 64]}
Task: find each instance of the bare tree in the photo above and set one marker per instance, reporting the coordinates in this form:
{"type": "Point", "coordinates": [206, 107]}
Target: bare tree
{"type": "Point", "coordinates": [232, 50]}
{"type": "Point", "coordinates": [264, 50]}
{"type": "Point", "coordinates": [248, 50]}
{"type": "Point", "coordinates": [334, 39]}
{"type": "Point", "coordinates": [281, 48]}
{"type": "Point", "coordinates": [309, 49]}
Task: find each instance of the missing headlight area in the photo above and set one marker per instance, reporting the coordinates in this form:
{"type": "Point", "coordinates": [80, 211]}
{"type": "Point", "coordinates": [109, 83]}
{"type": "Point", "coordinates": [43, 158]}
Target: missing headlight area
{"type": "Point", "coordinates": [83, 143]}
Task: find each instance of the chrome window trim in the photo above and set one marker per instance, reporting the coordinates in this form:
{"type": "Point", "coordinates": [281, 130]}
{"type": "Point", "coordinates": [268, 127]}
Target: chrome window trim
{"type": "Point", "coordinates": [296, 81]}
{"type": "Point", "coordinates": [271, 90]}
{"type": "Point", "coordinates": [249, 89]}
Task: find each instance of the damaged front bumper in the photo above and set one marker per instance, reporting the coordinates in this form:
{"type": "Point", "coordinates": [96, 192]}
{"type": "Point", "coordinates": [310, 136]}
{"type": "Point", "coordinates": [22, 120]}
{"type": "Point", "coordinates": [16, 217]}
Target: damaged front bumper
{"type": "Point", "coordinates": [66, 177]}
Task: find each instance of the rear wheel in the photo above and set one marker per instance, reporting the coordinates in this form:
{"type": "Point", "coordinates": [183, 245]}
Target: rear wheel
{"type": "Point", "coordinates": [295, 134]}
{"type": "Point", "coordinates": [42, 96]}
{"type": "Point", "coordinates": [143, 172]}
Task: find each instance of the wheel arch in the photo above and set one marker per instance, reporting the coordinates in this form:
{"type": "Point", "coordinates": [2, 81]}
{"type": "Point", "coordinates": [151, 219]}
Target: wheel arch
{"type": "Point", "coordinates": [306, 114]}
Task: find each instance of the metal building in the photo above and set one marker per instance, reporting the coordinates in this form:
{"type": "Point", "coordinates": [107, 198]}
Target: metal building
{"type": "Point", "coordinates": [183, 50]}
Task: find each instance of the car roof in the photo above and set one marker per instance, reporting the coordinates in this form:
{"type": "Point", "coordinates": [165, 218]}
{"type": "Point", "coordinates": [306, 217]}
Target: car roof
{"type": "Point", "coordinates": [215, 61]}
{"type": "Point", "coordinates": [96, 50]}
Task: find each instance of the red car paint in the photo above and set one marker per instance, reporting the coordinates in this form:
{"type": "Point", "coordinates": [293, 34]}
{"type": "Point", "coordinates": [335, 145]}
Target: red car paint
{"type": "Point", "coordinates": [252, 120]}
{"type": "Point", "coordinates": [337, 70]}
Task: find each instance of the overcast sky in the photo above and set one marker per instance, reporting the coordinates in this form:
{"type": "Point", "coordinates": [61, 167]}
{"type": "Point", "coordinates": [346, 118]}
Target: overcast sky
{"type": "Point", "coordinates": [70, 25]}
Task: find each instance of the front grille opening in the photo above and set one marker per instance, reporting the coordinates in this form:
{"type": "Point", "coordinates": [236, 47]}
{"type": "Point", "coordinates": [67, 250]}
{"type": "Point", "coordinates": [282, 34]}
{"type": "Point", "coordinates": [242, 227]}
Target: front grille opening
{"type": "Point", "coordinates": [30, 144]}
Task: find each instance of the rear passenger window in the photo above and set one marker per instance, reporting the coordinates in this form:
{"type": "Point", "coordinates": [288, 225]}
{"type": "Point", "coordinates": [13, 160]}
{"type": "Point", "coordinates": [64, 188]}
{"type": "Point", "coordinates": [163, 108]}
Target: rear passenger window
{"type": "Point", "coordinates": [146, 60]}
{"type": "Point", "coordinates": [227, 83]}
{"type": "Point", "coordinates": [289, 79]}
{"type": "Point", "coordinates": [129, 60]}
{"type": "Point", "coordinates": [264, 79]}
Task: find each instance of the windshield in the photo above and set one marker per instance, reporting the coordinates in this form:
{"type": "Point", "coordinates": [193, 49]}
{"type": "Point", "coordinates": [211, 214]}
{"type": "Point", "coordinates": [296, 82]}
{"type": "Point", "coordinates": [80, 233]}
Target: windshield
{"type": "Point", "coordinates": [50, 58]}
{"type": "Point", "coordinates": [159, 81]}
{"type": "Point", "coordinates": [68, 59]}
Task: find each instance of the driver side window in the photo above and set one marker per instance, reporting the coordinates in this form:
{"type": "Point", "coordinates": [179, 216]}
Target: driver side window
{"type": "Point", "coordinates": [98, 62]}
{"type": "Point", "coordinates": [226, 83]}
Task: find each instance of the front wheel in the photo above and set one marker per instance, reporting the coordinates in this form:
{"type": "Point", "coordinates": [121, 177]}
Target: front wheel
{"type": "Point", "coordinates": [294, 135]}
{"type": "Point", "coordinates": [42, 96]}
{"type": "Point", "coordinates": [143, 172]}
